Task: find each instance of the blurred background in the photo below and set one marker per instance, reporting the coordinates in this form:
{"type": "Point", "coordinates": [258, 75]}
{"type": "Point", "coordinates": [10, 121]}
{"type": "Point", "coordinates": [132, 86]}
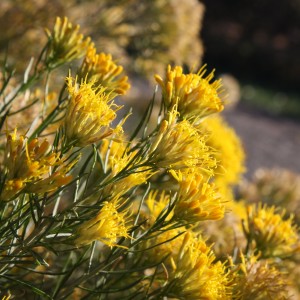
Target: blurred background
{"type": "Point", "coordinates": [254, 46]}
{"type": "Point", "coordinates": [258, 44]}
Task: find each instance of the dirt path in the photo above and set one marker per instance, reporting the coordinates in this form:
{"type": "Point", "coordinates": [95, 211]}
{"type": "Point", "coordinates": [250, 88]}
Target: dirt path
{"type": "Point", "coordinates": [269, 141]}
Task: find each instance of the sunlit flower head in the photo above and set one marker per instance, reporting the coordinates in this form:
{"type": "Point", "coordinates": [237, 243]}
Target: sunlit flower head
{"type": "Point", "coordinates": [197, 200]}
{"type": "Point", "coordinates": [273, 235]}
{"type": "Point", "coordinates": [180, 145]}
{"type": "Point", "coordinates": [196, 95]}
{"type": "Point", "coordinates": [65, 43]}
{"type": "Point", "coordinates": [256, 279]}
{"type": "Point", "coordinates": [107, 226]}
{"type": "Point", "coordinates": [197, 275]}
{"type": "Point", "coordinates": [90, 112]}
{"type": "Point", "coordinates": [104, 71]}
{"type": "Point", "coordinates": [29, 167]}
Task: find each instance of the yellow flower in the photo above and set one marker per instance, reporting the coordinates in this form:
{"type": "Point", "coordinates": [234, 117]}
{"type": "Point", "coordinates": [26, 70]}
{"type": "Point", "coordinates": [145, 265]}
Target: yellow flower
{"type": "Point", "coordinates": [195, 95]}
{"type": "Point", "coordinates": [115, 153]}
{"type": "Point", "coordinates": [127, 181]}
{"type": "Point", "coordinates": [255, 279]}
{"type": "Point", "coordinates": [279, 187]}
{"type": "Point", "coordinates": [197, 200]}
{"type": "Point", "coordinates": [196, 275]}
{"type": "Point", "coordinates": [180, 145]}
{"type": "Point", "coordinates": [226, 234]}
{"type": "Point", "coordinates": [120, 162]}
{"type": "Point", "coordinates": [107, 226]}
{"type": "Point", "coordinates": [89, 114]}
{"type": "Point", "coordinates": [229, 151]}
{"type": "Point", "coordinates": [65, 43]}
{"type": "Point", "coordinates": [101, 69]}
{"type": "Point", "coordinates": [273, 235]}
{"type": "Point", "coordinates": [29, 167]}
{"type": "Point", "coordinates": [157, 204]}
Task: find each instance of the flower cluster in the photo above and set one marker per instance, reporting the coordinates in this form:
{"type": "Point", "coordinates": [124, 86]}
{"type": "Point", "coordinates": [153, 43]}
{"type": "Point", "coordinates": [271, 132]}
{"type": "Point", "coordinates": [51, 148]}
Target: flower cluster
{"type": "Point", "coordinates": [89, 113]}
{"type": "Point", "coordinates": [147, 213]}
{"type": "Point", "coordinates": [31, 167]}
{"type": "Point", "coordinates": [66, 43]}
{"type": "Point", "coordinates": [196, 275]}
{"type": "Point", "coordinates": [197, 200]}
{"type": "Point", "coordinates": [104, 71]}
{"type": "Point", "coordinates": [195, 95]}
{"type": "Point", "coordinates": [107, 226]}
{"type": "Point", "coordinates": [179, 144]}
{"type": "Point", "coordinates": [229, 152]}
{"type": "Point", "coordinates": [273, 235]}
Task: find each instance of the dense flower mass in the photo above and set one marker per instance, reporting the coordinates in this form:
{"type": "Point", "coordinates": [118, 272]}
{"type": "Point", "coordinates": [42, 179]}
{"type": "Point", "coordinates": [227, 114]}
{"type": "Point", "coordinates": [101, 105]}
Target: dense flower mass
{"type": "Point", "coordinates": [104, 71]}
{"type": "Point", "coordinates": [196, 275]}
{"type": "Point", "coordinates": [273, 235]}
{"type": "Point", "coordinates": [89, 113]}
{"type": "Point", "coordinates": [107, 226]}
{"type": "Point", "coordinates": [195, 95]}
{"type": "Point", "coordinates": [155, 195]}
{"type": "Point", "coordinates": [180, 145]}
{"type": "Point", "coordinates": [229, 151]}
{"type": "Point", "coordinates": [197, 200]}
{"type": "Point", "coordinates": [31, 167]}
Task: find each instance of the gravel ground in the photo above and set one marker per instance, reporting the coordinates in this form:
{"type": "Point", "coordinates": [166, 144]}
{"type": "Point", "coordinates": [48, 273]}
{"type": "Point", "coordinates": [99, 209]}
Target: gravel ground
{"type": "Point", "coordinates": [268, 141]}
